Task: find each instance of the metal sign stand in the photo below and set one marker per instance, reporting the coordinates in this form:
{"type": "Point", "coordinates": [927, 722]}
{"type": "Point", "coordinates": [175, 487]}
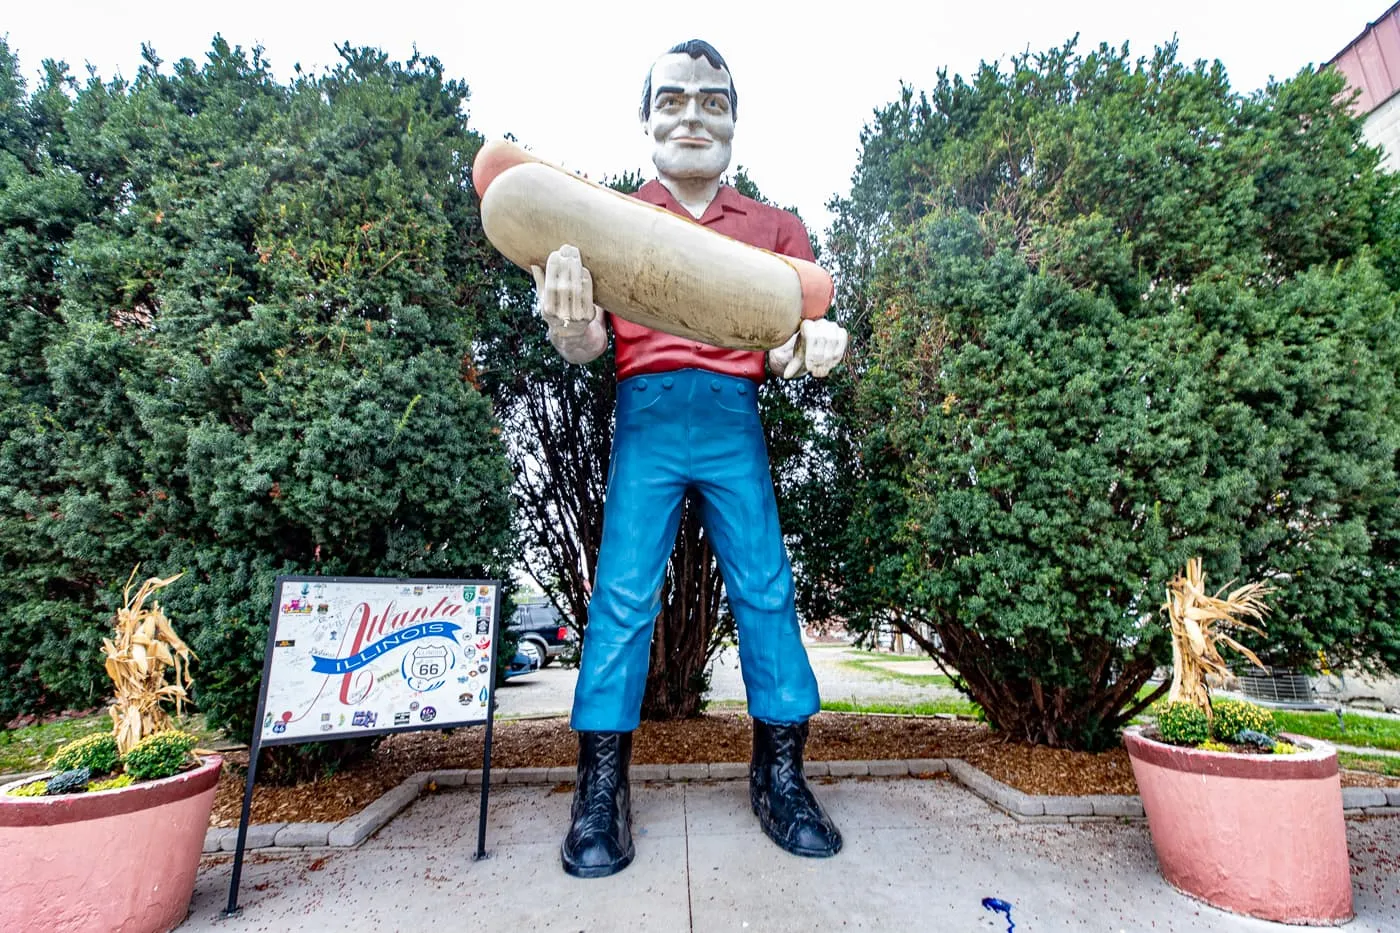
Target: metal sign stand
{"type": "Point", "coordinates": [256, 744]}
{"type": "Point", "coordinates": [486, 764]}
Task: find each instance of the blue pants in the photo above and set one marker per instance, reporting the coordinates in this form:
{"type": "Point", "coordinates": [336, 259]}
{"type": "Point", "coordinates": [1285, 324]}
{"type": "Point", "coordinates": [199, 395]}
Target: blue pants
{"type": "Point", "coordinates": [680, 431]}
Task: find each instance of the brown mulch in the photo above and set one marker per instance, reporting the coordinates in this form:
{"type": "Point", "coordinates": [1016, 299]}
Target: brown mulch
{"type": "Point", "coordinates": [715, 737]}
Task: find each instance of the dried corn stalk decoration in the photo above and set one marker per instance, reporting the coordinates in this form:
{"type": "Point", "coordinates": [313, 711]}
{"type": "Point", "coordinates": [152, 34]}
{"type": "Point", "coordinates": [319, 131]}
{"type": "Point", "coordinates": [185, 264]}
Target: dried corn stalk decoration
{"type": "Point", "coordinates": [137, 657]}
{"type": "Point", "coordinates": [1195, 620]}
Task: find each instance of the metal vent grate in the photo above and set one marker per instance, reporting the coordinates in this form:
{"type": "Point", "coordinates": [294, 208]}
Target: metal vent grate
{"type": "Point", "coordinates": [1286, 688]}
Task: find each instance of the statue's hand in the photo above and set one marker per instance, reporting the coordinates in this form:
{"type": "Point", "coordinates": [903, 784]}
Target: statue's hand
{"type": "Point", "coordinates": [564, 293]}
{"type": "Point", "coordinates": [822, 346]}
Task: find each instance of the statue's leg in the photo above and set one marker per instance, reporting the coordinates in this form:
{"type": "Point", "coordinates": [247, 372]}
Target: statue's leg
{"type": "Point", "coordinates": [740, 515]}
{"type": "Point", "coordinates": [646, 488]}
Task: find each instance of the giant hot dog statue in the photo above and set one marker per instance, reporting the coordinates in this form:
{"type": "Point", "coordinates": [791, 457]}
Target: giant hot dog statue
{"type": "Point", "coordinates": [649, 266]}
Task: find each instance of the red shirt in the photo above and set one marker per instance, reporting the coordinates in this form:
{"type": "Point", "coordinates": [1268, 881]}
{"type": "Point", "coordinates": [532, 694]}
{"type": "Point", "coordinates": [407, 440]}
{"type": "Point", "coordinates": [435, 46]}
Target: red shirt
{"type": "Point", "coordinates": [642, 350]}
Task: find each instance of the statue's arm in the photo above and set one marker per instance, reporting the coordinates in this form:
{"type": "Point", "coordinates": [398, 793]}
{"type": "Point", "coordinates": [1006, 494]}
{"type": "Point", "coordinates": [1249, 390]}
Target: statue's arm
{"type": "Point", "coordinates": [823, 343]}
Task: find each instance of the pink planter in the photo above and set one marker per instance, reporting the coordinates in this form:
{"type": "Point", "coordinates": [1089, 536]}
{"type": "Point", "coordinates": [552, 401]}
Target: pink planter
{"type": "Point", "coordinates": [1261, 835]}
{"type": "Point", "coordinates": [114, 861]}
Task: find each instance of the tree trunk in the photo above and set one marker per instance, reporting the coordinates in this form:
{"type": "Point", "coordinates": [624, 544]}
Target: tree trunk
{"type": "Point", "coordinates": [560, 432]}
{"type": "Point", "coordinates": [1084, 716]}
{"type": "Point", "coordinates": [690, 627]}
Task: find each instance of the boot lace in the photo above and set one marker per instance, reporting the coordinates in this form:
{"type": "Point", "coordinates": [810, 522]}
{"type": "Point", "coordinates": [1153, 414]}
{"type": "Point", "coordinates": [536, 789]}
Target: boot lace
{"type": "Point", "coordinates": [598, 798]}
{"type": "Point", "coordinates": [792, 783]}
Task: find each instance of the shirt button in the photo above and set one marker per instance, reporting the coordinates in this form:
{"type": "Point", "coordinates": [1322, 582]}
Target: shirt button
{"type": "Point", "coordinates": [640, 385]}
{"type": "Point", "coordinates": [667, 382]}
{"type": "Point", "coordinates": [714, 385]}
{"type": "Point", "coordinates": [743, 390]}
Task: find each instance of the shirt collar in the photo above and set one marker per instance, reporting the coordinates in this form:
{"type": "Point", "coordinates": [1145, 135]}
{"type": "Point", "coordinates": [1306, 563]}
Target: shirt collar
{"type": "Point", "coordinates": [727, 200]}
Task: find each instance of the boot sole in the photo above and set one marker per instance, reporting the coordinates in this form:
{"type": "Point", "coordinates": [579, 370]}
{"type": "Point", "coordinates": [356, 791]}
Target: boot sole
{"type": "Point", "coordinates": [598, 871]}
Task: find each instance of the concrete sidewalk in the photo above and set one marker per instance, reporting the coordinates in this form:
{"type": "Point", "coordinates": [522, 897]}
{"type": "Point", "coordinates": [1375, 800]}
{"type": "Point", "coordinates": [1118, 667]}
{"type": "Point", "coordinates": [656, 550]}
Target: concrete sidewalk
{"type": "Point", "coordinates": [920, 855]}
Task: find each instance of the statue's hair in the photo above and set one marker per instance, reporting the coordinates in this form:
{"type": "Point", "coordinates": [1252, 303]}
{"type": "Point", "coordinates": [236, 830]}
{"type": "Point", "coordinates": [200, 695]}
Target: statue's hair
{"type": "Point", "coordinates": [695, 48]}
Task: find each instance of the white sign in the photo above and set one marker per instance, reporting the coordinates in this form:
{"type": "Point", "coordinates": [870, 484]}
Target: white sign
{"type": "Point", "coordinates": [354, 656]}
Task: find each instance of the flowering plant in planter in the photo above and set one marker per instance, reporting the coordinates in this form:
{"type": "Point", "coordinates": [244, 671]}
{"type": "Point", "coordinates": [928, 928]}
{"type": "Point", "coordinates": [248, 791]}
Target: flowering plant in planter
{"type": "Point", "coordinates": [112, 840]}
{"type": "Point", "coordinates": [1217, 782]}
{"type": "Point", "coordinates": [1189, 717]}
{"type": "Point", "coordinates": [142, 745]}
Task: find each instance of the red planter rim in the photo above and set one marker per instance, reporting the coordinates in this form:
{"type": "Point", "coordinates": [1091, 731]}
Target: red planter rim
{"type": "Point", "coordinates": [1314, 760]}
{"type": "Point", "coordinates": [70, 808]}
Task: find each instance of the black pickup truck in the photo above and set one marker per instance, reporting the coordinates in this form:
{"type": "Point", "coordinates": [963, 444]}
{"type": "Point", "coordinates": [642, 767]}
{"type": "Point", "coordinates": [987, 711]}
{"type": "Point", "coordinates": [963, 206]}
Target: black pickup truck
{"type": "Point", "coordinates": [544, 633]}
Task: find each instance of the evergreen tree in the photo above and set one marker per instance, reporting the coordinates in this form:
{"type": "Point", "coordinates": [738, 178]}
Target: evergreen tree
{"type": "Point", "coordinates": [257, 355]}
{"type": "Point", "coordinates": [1118, 316]}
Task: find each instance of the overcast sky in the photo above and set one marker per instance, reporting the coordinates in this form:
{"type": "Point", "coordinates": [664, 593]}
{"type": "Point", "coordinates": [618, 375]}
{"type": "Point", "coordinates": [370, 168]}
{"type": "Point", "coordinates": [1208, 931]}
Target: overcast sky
{"type": "Point", "coordinates": [566, 78]}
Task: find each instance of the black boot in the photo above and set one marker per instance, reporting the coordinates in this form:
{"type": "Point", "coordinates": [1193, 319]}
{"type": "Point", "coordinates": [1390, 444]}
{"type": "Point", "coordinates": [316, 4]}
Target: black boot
{"type": "Point", "coordinates": [783, 802]}
{"type": "Point", "coordinates": [600, 839]}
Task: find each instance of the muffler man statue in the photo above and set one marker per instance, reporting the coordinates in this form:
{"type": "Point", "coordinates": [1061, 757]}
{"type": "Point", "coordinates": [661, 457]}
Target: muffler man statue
{"type": "Point", "coordinates": [687, 421]}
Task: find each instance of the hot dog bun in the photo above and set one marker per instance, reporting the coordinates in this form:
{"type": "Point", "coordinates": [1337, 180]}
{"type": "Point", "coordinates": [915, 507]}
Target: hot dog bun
{"type": "Point", "coordinates": [649, 266]}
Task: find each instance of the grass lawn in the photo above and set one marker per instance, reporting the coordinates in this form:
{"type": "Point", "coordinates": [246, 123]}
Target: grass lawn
{"type": "Point", "coordinates": [1367, 731]}
{"type": "Point", "coordinates": [29, 748]}
{"type": "Point", "coordinates": [885, 656]}
{"type": "Point", "coordinates": [1379, 764]}
{"type": "Point", "coordinates": [957, 706]}
{"type": "Point", "coordinates": [873, 667]}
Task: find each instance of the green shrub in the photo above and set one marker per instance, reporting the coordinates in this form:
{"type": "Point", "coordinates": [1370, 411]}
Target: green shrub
{"type": "Point", "coordinates": [289, 765]}
{"type": "Point", "coordinates": [1182, 724]}
{"type": "Point", "coordinates": [1024, 448]}
{"type": "Point", "coordinates": [32, 789]}
{"type": "Point", "coordinates": [1286, 748]}
{"type": "Point", "coordinates": [159, 755]}
{"type": "Point", "coordinates": [291, 414]}
{"type": "Point", "coordinates": [97, 752]}
{"type": "Point", "coordinates": [1235, 716]}
{"type": "Point", "coordinates": [1210, 745]}
{"type": "Point", "coordinates": [121, 780]}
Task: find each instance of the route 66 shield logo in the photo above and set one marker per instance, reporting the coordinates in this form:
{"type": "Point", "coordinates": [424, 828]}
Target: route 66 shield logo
{"type": "Point", "coordinates": [426, 666]}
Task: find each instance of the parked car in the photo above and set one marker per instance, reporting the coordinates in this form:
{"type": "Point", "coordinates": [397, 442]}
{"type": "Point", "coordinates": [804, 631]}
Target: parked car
{"type": "Point", "coordinates": [521, 664]}
{"type": "Point", "coordinates": [544, 634]}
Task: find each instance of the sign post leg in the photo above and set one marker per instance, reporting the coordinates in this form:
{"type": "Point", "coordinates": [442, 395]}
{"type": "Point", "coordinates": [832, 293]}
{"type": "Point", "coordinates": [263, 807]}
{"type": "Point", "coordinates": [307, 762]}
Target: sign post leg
{"type": "Point", "coordinates": [243, 816]}
{"type": "Point", "coordinates": [485, 785]}
{"type": "Point", "coordinates": [490, 724]}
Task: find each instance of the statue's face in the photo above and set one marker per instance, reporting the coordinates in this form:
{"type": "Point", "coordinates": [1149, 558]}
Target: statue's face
{"type": "Point", "coordinates": [691, 123]}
